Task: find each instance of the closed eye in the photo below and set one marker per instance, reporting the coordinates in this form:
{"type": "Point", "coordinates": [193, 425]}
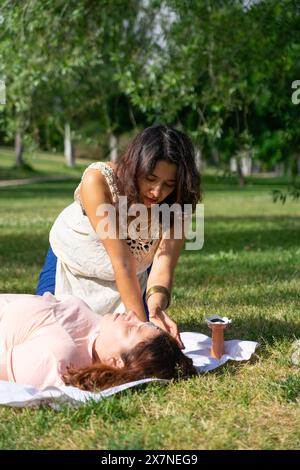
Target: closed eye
{"type": "Point", "coordinates": [131, 329]}
{"type": "Point", "coordinates": [151, 179]}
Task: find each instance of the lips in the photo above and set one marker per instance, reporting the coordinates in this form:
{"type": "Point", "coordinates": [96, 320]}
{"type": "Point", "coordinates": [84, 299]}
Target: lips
{"type": "Point", "coordinates": [153, 201]}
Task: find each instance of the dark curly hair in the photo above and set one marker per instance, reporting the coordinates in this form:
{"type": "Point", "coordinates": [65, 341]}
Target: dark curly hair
{"type": "Point", "coordinates": [155, 143]}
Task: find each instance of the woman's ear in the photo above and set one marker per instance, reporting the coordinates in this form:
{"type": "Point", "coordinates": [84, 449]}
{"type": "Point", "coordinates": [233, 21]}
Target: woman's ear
{"type": "Point", "coordinates": [116, 362]}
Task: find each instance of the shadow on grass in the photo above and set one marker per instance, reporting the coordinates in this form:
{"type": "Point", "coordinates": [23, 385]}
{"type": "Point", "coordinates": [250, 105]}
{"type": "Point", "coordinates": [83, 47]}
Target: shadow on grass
{"type": "Point", "coordinates": [223, 260]}
{"type": "Point", "coordinates": [242, 273]}
{"type": "Point", "coordinates": [56, 189]}
{"type": "Point", "coordinates": [231, 182]}
{"type": "Point", "coordinates": [15, 172]}
{"type": "Point", "coordinates": [279, 231]}
{"type": "Point", "coordinates": [31, 250]}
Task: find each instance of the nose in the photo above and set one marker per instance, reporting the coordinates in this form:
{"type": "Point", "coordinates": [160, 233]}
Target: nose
{"type": "Point", "coordinates": [130, 315]}
{"type": "Point", "coordinates": [156, 191]}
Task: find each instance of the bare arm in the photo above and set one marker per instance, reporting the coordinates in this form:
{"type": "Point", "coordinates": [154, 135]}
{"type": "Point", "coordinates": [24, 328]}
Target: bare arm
{"type": "Point", "coordinates": [94, 192]}
{"type": "Point", "coordinates": [162, 273]}
{"type": "Point", "coordinates": [163, 267]}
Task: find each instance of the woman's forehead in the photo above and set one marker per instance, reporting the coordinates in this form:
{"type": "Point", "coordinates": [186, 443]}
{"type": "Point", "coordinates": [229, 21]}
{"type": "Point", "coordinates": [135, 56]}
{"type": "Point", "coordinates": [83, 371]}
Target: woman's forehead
{"type": "Point", "coordinates": [150, 325]}
{"type": "Point", "coordinates": [163, 168]}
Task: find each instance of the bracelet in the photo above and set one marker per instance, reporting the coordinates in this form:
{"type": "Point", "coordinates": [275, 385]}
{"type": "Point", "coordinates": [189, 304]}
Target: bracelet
{"type": "Point", "coordinates": [161, 290]}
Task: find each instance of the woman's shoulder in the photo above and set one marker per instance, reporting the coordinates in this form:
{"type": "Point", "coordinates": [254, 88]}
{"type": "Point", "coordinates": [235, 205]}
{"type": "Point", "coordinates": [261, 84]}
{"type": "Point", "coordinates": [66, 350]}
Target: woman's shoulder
{"type": "Point", "coordinates": [102, 164]}
{"type": "Point", "coordinates": [97, 173]}
{"type": "Point", "coordinates": [105, 169]}
{"type": "Point", "coordinates": [101, 169]}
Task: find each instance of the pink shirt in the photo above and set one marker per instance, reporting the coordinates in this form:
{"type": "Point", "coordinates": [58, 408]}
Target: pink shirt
{"type": "Point", "coordinates": [41, 335]}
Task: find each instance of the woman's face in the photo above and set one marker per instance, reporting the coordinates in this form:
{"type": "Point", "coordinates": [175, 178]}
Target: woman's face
{"type": "Point", "coordinates": [155, 187]}
{"type": "Point", "coordinates": [119, 333]}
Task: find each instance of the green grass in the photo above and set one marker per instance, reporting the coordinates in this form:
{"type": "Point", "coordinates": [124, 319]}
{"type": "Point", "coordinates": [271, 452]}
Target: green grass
{"type": "Point", "coordinates": [40, 164]}
{"type": "Point", "coordinates": [248, 269]}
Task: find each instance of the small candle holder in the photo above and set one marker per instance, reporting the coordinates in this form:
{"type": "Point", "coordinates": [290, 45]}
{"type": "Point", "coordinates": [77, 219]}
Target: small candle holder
{"type": "Point", "coordinates": [217, 325]}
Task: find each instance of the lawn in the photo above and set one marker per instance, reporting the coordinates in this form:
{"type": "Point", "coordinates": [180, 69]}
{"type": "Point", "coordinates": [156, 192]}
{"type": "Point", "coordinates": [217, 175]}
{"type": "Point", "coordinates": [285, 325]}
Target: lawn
{"type": "Point", "coordinates": [248, 270]}
{"type": "Point", "coordinates": [38, 165]}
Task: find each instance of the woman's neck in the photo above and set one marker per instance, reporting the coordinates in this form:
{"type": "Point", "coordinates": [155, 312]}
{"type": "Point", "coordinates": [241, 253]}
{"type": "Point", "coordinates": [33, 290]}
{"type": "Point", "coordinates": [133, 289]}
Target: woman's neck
{"type": "Point", "coordinates": [94, 352]}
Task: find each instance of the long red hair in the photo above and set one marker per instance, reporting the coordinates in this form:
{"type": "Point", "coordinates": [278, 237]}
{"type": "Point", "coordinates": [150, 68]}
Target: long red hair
{"type": "Point", "coordinates": [159, 357]}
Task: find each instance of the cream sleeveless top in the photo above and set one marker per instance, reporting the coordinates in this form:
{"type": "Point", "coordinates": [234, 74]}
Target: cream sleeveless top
{"type": "Point", "coordinates": [83, 266]}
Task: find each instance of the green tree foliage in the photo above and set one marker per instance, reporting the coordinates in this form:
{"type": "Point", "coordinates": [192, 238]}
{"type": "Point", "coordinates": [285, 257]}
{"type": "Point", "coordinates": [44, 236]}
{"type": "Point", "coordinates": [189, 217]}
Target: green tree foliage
{"type": "Point", "coordinates": [221, 69]}
{"type": "Point", "coordinates": [224, 70]}
{"type": "Point", "coordinates": [59, 59]}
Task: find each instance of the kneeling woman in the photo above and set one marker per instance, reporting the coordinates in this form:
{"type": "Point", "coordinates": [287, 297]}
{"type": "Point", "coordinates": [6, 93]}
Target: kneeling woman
{"type": "Point", "coordinates": [56, 340]}
{"type": "Point", "coordinates": [110, 273]}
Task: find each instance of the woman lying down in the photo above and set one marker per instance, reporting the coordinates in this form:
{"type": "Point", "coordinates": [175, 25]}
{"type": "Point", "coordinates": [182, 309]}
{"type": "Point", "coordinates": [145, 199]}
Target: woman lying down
{"type": "Point", "coordinates": [57, 340]}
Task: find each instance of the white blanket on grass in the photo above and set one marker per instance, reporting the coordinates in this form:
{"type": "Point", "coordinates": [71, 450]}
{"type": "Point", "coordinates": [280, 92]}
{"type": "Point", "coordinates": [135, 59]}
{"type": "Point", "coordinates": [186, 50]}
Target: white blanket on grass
{"type": "Point", "coordinates": [197, 347]}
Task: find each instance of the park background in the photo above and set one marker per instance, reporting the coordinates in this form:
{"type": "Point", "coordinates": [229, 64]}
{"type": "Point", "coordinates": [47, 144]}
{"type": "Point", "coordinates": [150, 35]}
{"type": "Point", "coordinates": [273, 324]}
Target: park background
{"type": "Point", "coordinates": [78, 80]}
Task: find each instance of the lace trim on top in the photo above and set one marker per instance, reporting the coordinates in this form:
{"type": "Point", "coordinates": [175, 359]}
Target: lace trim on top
{"type": "Point", "coordinates": [139, 247]}
{"type": "Point", "coordinates": [109, 174]}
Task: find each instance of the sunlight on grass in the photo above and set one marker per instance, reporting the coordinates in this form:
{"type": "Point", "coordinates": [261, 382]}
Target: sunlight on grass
{"type": "Point", "coordinates": [248, 270]}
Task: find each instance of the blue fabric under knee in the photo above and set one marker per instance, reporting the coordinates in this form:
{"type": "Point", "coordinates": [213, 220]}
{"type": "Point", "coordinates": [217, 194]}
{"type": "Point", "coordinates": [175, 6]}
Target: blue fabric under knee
{"type": "Point", "coordinates": [47, 278]}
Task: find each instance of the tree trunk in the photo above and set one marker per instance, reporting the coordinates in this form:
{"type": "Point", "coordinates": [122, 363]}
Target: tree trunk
{"type": "Point", "coordinates": [246, 164]}
{"type": "Point", "coordinates": [37, 137]}
{"type": "Point", "coordinates": [294, 167]}
{"type": "Point", "coordinates": [215, 156]}
{"type": "Point", "coordinates": [198, 159]}
{"type": "Point", "coordinates": [69, 147]}
{"type": "Point", "coordinates": [287, 166]}
{"type": "Point", "coordinates": [19, 149]}
{"type": "Point", "coordinates": [113, 148]}
{"type": "Point", "coordinates": [240, 171]}
{"type": "Point", "coordinates": [232, 165]}
{"type": "Point", "coordinates": [47, 138]}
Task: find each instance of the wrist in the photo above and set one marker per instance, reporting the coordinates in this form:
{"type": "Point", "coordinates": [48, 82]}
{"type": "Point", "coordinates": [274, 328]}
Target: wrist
{"type": "Point", "coordinates": [157, 300]}
{"type": "Point", "coordinates": [163, 291]}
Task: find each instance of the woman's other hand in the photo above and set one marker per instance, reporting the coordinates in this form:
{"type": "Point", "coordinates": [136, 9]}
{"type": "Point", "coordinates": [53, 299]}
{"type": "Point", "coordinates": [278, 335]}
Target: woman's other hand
{"type": "Point", "coordinates": [159, 317]}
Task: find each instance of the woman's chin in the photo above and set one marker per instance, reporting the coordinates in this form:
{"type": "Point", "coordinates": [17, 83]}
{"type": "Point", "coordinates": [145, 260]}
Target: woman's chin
{"type": "Point", "coordinates": [149, 202]}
